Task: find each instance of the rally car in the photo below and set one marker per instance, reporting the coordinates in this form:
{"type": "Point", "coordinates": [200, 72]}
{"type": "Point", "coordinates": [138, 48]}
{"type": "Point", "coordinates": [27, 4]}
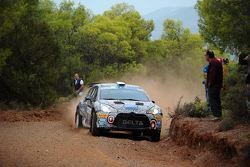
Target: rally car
{"type": "Point", "coordinates": [119, 107]}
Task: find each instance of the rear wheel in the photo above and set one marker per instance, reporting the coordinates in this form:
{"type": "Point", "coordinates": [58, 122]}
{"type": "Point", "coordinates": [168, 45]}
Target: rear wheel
{"type": "Point", "coordinates": [156, 136]}
{"type": "Point", "coordinates": [94, 130]}
{"type": "Point", "coordinates": [78, 120]}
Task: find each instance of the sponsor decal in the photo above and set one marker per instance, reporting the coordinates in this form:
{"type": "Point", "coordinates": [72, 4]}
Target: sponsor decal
{"type": "Point", "coordinates": [132, 122]}
{"type": "Point", "coordinates": [102, 115]}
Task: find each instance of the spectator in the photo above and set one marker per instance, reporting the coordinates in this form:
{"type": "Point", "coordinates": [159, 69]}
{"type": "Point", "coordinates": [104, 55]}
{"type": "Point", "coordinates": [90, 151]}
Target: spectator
{"type": "Point", "coordinates": [78, 85]}
{"type": "Point", "coordinates": [214, 83]}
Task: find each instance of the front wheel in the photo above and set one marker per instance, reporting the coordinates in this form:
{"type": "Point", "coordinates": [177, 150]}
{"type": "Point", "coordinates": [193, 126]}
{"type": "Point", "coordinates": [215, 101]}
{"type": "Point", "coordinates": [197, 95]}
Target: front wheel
{"type": "Point", "coordinates": [78, 120]}
{"type": "Point", "coordinates": [94, 130]}
{"type": "Point", "coordinates": [156, 136]}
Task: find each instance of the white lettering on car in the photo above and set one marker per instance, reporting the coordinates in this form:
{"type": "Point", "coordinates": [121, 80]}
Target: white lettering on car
{"type": "Point", "coordinates": [132, 122]}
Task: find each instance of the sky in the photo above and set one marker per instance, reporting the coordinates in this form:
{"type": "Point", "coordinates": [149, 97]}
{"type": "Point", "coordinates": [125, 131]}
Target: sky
{"type": "Point", "coordinates": [143, 6]}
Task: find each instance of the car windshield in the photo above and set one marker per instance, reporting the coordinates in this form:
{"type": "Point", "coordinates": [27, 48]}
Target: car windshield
{"type": "Point", "coordinates": [123, 94]}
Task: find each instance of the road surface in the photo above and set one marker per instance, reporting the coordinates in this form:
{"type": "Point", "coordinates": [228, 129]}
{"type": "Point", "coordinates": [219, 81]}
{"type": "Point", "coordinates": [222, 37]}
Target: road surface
{"type": "Point", "coordinates": [45, 138]}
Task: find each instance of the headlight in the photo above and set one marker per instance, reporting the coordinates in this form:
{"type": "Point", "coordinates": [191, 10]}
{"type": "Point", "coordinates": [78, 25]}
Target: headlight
{"type": "Point", "coordinates": [154, 111]}
{"type": "Point", "coordinates": [107, 108]}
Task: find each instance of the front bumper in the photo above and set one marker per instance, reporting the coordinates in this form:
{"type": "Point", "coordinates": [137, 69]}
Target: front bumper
{"type": "Point", "coordinates": [129, 121]}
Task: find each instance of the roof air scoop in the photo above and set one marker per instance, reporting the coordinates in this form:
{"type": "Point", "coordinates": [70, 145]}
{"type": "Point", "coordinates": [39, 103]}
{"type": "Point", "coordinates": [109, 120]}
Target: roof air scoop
{"type": "Point", "coordinates": [121, 84]}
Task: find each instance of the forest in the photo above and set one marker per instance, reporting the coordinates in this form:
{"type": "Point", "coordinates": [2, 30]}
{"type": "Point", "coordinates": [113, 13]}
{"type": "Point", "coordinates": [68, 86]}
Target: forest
{"type": "Point", "coordinates": [43, 45]}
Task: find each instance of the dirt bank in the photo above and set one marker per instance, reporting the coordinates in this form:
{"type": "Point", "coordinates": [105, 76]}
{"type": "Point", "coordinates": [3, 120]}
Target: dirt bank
{"type": "Point", "coordinates": [51, 114]}
{"type": "Point", "coordinates": [203, 134]}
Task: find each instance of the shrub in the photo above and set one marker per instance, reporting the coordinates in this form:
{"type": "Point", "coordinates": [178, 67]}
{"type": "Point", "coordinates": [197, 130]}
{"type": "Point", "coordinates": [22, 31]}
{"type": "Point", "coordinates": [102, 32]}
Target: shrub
{"type": "Point", "coordinates": [234, 95]}
{"type": "Point", "coordinates": [197, 109]}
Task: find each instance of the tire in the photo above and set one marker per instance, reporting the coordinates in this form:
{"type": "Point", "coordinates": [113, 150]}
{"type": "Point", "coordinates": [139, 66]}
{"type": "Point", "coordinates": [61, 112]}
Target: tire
{"type": "Point", "coordinates": [78, 120]}
{"type": "Point", "coordinates": [94, 130]}
{"type": "Point", "coordinates": [156, 136]}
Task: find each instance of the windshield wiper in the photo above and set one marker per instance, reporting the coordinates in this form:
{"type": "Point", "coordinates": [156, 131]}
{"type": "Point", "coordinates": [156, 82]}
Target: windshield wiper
{"type": "Point", "coordinates": [109, 99]}
{"type": "Point", "coordinates": [130, 99]}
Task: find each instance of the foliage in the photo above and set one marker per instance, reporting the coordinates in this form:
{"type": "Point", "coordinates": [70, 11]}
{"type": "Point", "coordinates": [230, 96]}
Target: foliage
{"type": "Point", "coordinates": [11, 12]}
{"type": "Point", "coordinates": [176, 51]}
{"type": "Point", "coordinates": [197, 109]}
{"type": "Point", "coordinates": [234, 95]}
{"type": "Point", "coordinates": [31, 59]}
{"type": "Point", "coordinates": [225, 23]}
{"type": "Point", "coordinates": [173, 30]}
{"type": "Point", "coordinates": [42, 45]}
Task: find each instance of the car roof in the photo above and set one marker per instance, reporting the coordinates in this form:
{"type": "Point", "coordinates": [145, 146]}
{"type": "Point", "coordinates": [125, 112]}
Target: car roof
{"type": "Point", "coordinates": [116, 86]}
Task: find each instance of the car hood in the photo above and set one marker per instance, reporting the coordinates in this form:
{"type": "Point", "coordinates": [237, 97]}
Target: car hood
{"type": "Point", "coordinates": [129, 106]}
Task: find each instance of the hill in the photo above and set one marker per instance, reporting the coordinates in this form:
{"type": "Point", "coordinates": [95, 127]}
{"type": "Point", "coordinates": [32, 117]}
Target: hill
{"type": "Point", "coordinates": [188, 15]}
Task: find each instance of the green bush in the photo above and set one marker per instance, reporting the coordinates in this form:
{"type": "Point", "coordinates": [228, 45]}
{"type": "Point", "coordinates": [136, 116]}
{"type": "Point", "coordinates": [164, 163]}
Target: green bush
{"type": "Point", "coordinates": [234, 95]}
{"type": "Point", "coordinates": [197, 109]}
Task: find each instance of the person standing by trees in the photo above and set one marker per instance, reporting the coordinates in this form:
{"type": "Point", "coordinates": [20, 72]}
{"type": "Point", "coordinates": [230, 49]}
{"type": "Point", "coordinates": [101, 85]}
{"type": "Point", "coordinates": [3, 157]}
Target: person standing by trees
{"type": "Point", "coordinates": [78, 85]}
{"type": "Point", "coordinates": [214, 83]}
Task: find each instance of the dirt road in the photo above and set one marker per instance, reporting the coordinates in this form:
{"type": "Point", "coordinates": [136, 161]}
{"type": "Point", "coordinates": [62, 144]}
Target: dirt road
{"type": "Point", "coordinates": [44, 138]}
{"type": "Point", "coordinates": [56, 144]}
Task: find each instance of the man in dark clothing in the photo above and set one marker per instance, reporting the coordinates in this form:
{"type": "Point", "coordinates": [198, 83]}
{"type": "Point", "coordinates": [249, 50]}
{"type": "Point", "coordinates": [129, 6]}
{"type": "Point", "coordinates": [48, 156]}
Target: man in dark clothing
{"type": "Point", "coordinates": [214, 83]}
{"type": "Point", "coordinates": [78, 85]}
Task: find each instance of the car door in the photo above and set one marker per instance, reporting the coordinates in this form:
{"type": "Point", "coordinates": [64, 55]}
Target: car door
{"type": "Point", "coordinates": [85, 109]}
{"type": "Point", "coordinates": [90, 102]}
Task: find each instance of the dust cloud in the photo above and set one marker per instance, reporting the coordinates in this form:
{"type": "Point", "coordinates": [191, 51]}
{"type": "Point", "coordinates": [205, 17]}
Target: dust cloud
{"type": "Point", "coordinates": [167, 85]}
{"type": "Point", "coordinates": [168, 90]}
{"type": "Point", "coordinates": [68, 110]}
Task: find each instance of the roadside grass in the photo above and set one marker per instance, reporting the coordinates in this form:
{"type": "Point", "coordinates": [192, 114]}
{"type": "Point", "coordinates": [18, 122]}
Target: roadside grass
{"type": "Point", "coordinates": [197, 109]}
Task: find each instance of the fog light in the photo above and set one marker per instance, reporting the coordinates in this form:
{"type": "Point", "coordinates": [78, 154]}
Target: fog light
{"type": "Point", "coordinates": [111, 119]}
{"type": "Point", "coordinates": [153, 124]}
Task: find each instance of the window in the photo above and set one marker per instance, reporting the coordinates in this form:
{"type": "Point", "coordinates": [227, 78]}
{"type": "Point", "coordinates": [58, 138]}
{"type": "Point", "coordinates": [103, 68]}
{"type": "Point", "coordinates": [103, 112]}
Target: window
{"type": "Point", "coordinates": [94, 93]}
{"type": "Point", "coordinates": [123, 94]}
{"type": "Point", "coordinates": [90, 91]}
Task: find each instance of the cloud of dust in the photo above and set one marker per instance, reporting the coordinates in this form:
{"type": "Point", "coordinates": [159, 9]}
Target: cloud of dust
{"type": "Point", "coordinates": [68, 110]}
{"type": "Point", "coordinates": [167, 89]}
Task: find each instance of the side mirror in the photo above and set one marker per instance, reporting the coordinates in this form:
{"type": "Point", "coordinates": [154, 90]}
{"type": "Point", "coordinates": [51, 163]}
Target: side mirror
{"type": "Point", "coordinates": [88, 98]}
{"type": "Point", "coordinates": [153, 101]}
